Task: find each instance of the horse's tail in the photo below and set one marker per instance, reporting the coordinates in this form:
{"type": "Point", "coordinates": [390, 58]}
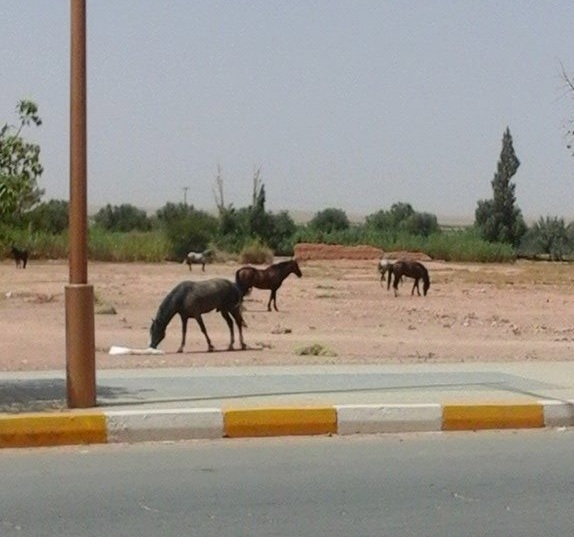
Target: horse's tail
{"type": "Point", "coordinates": [426, 279]}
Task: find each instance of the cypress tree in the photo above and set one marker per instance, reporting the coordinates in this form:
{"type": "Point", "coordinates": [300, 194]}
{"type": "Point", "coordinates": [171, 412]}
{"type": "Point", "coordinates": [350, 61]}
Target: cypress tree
{"type": "Point", "coordinates": [499, 219]}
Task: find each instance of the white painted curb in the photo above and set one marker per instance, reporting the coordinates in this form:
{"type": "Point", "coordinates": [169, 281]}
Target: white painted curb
{"type": "Point", "coordinates": [160, 425]}
{"type": "Point", "coordinates": [558, 413]}
{"type": "Point", "coordinates": [368, 419]}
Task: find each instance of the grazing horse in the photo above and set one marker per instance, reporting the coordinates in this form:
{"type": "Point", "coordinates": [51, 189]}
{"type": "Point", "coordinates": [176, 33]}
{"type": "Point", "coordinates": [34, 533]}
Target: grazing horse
{"type": "Point", "coordinates": [193, 299]}
{"type": "Point", "coordinates": [411, 269]}
{"type": "Point", "coordinates": [197, 258]}
{"type": "Point", "coordinates": [20, 257]}
{"type": "Point", "coordinates": [270, 278]}
{"type": "Point", "coordinates": [383, 267]}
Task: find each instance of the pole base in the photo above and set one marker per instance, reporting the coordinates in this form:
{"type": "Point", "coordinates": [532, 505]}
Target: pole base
{"type": "Point", "coordinates": [80, 346]}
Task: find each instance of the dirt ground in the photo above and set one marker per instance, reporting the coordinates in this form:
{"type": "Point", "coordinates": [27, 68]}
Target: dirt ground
{"type": "Point", "coordinates": [511, 312]}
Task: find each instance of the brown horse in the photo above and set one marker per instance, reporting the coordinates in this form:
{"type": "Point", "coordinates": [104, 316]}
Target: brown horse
{"type": "Point", "coordinates": [270, 278]}
{"type": "Point", "coordinates": [411, 269]}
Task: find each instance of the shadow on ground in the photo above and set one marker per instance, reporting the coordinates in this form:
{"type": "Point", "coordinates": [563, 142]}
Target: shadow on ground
{"type": "Point", "coordinates": [43, 394]}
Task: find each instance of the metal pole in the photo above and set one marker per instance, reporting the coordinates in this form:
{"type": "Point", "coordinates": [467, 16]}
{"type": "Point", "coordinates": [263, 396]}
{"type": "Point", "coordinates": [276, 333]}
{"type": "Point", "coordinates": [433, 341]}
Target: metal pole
{"type": "Point", "coordinates": [80, 341]}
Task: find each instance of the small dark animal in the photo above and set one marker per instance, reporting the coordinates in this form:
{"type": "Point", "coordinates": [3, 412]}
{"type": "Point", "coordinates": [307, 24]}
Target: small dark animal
{"type": "Point", "coordinates": [197, 258]}
{"type": "Point", "coordinates": [193, 299]}
{"type": "Point", "coordinates": [270, 278]}
{"type": "Point", "coordinates": [20, 256]}
{"type": "Point", "coordinates": [411, 269]}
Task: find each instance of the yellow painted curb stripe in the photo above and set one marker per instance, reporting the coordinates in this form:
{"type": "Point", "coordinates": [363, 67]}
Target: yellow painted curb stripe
{"type": "Point", "coordinates": [279, 422]}
{"type": "Point", "coordinates": [32, 430]}
{"type": "Point", "coordinates": [472, 417]}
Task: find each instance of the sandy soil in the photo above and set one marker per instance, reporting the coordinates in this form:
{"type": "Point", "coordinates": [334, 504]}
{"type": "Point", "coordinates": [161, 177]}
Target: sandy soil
{"type": "Point", "coordinates": [523, 311]}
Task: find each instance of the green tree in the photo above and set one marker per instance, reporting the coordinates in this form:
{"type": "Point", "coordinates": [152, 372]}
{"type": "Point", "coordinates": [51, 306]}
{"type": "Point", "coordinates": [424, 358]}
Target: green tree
{"type": "Point", "coordinates": [122, 218]}
{"type": "Point", "coordinates": [423, 224]}
{"type": "Point", "coordinates": [330, 220]}
{"type": "Point", "coordinates": [51, 216]}
{"type": "Point", "coordinates": [259, 219]}
{"type": "Point", "coordinates": [281, 233]}
{"type": "Point", "coordinates": [20, 166]}
{"type": "Point", "coordinates": [548, 236]}
{"type": "Point", "coordinates": [499, 219]}
{"type": "Point", "coordinates": [188, 229]}
{"type": "Point", "coordinates": [402, 218]}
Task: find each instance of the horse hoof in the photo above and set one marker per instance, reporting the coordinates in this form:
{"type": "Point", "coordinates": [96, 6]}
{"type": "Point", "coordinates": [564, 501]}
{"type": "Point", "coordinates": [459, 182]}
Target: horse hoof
{"type": "Point", "coordinates": [180, 350]}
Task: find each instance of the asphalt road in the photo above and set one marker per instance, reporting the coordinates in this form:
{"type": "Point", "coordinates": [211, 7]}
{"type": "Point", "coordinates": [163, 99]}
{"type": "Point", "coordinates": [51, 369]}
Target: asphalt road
{"type": "Point", "coordinates": [467, 484]}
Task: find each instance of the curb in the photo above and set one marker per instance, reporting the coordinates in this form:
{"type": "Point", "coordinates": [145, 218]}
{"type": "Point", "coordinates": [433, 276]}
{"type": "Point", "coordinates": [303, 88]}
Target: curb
{"type": "Point", "coordinates": [113, 426]}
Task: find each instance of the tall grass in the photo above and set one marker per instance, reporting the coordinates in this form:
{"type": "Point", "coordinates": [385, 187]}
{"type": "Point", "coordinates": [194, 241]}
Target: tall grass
{"type": "Point", "coordinates": [154, 246]}
{"type": "Point", "coordinates": [143, 246]}
{"type": "Point", "coordinates": [462, 245]}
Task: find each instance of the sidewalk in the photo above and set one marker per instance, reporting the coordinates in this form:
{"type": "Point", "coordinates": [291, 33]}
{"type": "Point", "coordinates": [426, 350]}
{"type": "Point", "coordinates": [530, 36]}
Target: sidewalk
{"type": "Point", "coordinates": [176, 404]}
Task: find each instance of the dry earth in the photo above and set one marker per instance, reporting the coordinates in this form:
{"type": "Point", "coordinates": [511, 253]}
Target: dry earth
{"type": "Point", "coordinates": [521, 311]}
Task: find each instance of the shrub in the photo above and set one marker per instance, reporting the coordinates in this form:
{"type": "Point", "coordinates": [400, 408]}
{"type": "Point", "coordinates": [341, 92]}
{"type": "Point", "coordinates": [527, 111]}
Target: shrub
{"type": "Point", "coordinates": [51, 217]}
{"type": "Point", "coordinates": [256, 253]}
{"type": "Point", "coordinates": [549, 236]}
{"type": "Point", "coordinates": [329, 220]}
{"type": "Point", "coordinates": [124, 218]}
{"type": "Point", "coordinates": [187, 229]}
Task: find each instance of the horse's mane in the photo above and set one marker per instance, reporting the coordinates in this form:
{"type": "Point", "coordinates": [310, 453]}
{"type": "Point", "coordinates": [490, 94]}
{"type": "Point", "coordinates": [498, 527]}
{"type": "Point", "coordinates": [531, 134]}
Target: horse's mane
{"type": "Point", "coordinates": [167, 309]}
{"type": "Point", "coordinates": [284, 263]}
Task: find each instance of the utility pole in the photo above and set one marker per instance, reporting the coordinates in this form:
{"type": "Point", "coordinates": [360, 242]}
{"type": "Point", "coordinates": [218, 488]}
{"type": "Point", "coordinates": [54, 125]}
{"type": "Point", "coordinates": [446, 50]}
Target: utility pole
{"type": "Point", "coordinates": [185, 189]}
{"type": "Point", "coordinates": [80, 340]}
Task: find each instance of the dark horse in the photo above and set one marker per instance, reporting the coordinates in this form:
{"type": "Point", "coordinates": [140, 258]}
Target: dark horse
{"type": "Point", "coordinates": [20, 257]}
{"type": "Point", "coordinates": [270, 278]}
{"type": "Point", "coordinates": [192, 299]}
{"type": "Point", "coordinates": [411, 269]}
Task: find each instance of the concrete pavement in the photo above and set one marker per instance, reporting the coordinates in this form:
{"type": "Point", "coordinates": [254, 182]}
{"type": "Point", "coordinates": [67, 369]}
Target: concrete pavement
{"type": "Point", "coordinates": [176, 404]}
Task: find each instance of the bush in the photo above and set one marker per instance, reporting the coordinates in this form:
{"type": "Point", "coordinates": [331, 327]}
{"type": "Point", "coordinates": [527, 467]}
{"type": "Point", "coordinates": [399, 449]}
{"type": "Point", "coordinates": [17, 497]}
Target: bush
{"type": "Point", "coordinates": [51, 217]}
{"type": "Point", "coordinates": [256, 253]}
{"type": "Point", "coordinates": [549, 236]}
{"type": "Point", "coordinates": [122, 218]}
{"type": "Point", "coordinates": [187, 229]}
{"type": "Point", "coordinates": [329, 220]}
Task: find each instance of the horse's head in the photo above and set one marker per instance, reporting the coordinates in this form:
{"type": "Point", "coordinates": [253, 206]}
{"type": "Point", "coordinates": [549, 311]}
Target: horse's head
{"type": "Point", "coordinates": [295, 268]}
{"type": "Point", "coordinates": [157, 333]}
{"type": "Point", "coordinates": [426, 286]}
{"type": "Point", "coordinates": [384, 266]}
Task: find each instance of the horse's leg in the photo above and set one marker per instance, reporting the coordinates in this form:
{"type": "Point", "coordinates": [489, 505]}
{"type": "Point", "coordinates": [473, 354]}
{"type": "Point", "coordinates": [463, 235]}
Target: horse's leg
{"type": "Point", "coordinates": [203, 266]}
{"type": "Point", "coordinates": [396, 284]}
{"type": "Point", "coordinates": [236, 313]}
{"type": "Point", "coordinates": [273, 298]}
{"type": "Point", "coordinates": [202, 326]}
{"type": "Point", "coordinates": [229, 322]}
{"type": "Point", "coordinates": [416, 285]}
{"type": "Point", "coordinates": [183, 333]}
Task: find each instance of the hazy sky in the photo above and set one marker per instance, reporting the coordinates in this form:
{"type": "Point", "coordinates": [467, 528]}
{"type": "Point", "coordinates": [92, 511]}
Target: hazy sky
{"type": "Point", "coordinates": [354, 104]}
